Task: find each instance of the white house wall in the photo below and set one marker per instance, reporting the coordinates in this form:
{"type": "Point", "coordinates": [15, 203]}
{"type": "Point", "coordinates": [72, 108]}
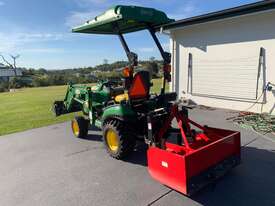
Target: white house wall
{"type": "Point", "coordinates": [225, 62]}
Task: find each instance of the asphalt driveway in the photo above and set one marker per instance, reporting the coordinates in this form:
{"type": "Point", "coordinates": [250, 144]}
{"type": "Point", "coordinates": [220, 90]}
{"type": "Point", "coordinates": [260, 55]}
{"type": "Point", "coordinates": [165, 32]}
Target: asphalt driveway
{"type": "Point", "coordinates": [48, 166]}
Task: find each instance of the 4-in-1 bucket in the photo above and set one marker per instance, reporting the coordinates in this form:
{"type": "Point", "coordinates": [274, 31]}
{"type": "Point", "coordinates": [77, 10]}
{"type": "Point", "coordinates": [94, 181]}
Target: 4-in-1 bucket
{"type": "Point", "coordinates": [188, 168]}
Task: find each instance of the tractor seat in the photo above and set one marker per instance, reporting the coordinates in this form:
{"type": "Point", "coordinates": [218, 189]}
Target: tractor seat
{"type": "Point", "coordinates": [121, 97]}
{"type": "Point", "coordinates": [139, 90]}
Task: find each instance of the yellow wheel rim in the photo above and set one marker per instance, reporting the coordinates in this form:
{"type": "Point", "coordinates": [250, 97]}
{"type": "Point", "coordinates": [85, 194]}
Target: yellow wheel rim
{"type": "Point", "coordinates": [75, 127]}
{"type": "Point", "coordinates": [112, 140]}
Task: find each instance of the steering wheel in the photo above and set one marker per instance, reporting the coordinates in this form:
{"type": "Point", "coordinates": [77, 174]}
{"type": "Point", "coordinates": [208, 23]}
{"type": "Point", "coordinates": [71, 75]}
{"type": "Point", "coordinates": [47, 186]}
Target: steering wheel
{"type": "Point", "coordinates": [111, 84]}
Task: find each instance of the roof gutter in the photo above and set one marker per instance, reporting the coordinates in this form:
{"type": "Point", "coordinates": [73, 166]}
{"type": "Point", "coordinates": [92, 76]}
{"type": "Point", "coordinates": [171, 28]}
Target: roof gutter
{"type": "Point", "coordinates": [220, 15]}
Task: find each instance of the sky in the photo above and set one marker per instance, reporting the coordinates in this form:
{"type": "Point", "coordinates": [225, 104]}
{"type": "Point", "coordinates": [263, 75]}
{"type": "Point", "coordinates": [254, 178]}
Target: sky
{"type": "Point", "coordinates": [40, 30]}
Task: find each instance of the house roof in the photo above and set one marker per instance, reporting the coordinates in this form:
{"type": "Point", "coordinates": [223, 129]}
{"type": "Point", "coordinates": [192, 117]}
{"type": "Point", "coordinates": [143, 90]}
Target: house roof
{"type": "Point", "coordinates": [223, 14]}
{"type": "Point", "coordinates": [10, 72]}
{"type": "Point", "coordinates": [2, 66]}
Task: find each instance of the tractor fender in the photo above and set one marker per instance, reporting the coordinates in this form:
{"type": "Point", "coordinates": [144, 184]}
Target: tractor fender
{"type": "Point", "coordinates": [121, 112]}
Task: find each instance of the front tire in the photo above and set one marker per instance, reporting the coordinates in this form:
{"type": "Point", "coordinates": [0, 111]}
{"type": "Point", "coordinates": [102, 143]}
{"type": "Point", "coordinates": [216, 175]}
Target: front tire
{"type": "Point", "coordinates": [118, 140]}
{"type": "Point", "coordinates": [80, 127]}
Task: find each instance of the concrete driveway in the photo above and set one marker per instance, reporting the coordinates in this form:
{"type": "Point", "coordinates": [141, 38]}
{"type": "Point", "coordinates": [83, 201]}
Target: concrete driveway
{"type": "Point", "coordinates": [48, 166]}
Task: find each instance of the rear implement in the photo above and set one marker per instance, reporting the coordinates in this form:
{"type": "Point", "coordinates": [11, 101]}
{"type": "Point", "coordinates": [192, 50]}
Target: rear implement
{"type": "Point", "coordinates": [186, 159]}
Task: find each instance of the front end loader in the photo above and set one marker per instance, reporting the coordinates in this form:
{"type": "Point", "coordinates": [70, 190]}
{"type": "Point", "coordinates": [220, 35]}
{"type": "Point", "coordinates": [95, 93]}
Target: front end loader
{"type": "Point", "coordinates": [185, 156]}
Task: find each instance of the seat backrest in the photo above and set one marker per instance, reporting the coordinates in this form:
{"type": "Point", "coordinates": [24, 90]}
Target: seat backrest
{"type": "Point", "coordinates": [140, 87]}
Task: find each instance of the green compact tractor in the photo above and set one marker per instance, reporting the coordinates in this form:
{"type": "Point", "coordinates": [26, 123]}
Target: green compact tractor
{"type": "Point", "coordinates": [119, 109]}
{"type": "Point", "coordinates": [186, 156]}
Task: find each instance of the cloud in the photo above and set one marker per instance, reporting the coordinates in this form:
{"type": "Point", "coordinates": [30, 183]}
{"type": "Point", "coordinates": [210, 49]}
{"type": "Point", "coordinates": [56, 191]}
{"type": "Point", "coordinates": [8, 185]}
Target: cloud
{"type": "Point", "coordinates": [15, 41]}
{"type": "Point", "coordinates": [105, 3]}
{"type": "Point", "coordinates": [92, 9]}
{"type": "Point", "coordinates": [147, 49]}
{"type": "Point", "coordinates": [43, 50]}
{"type": "Point", "coordinates": [34, 37]}
{"type": "Point", "coordinates": [78, 18]}
{"type": "Point", "coordinates": [166, 46]}
{"type": "Point", "coordinates": [184, 11]}
{"type": "Point", "coordinates": [87, 3]}
{"type": "Point", "coordinates": [93, 1]}
{"type": "Point", "coordinates": [130, 2]}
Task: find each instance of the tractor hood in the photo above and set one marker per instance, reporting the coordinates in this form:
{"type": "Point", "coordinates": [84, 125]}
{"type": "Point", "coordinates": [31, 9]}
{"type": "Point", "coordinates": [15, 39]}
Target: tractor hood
{"type": "Point", "coordinates": [123, 19]}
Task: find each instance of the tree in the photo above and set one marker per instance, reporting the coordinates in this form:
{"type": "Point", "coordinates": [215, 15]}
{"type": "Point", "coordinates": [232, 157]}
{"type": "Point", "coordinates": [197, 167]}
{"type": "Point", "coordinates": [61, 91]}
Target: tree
{"type": "Point", "coordinates": [42, 71]}
{"type": "Point", "coordinates": [105, 61]}
{"type": "Point", "coordinates": [152, 59]}
{"type": "Point", "coordinates": [10, 65]}
{"type": "Point", "coordinates": [14, 62]}
{"type": "Point", "coordinates": [5, 61]}
{"type": "Point", "coordinates": [3, 86]}
{"type": "Point", "coordinates": [153, 68]}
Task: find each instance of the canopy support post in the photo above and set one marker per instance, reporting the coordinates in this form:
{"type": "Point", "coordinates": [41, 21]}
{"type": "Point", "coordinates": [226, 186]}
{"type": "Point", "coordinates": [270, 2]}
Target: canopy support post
{"type": "Point", "coordinates": [124, 44]}
{"type": "Point", "coordinates": [164, 55]}
{"type": "Point", "coordinates": [132, 57]}
{"type": "Point", "coordinates": [166, 59]}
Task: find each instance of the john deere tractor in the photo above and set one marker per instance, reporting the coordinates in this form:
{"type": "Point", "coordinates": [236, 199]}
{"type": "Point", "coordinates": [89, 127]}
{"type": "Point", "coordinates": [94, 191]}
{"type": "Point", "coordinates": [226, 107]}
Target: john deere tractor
{"type": "Point", "coordinates": [119, 109]}
{"type": "Point", "coordinates": [180, 157]}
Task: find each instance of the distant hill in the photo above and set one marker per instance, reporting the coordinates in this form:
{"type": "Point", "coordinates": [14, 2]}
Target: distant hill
{"type": "Point", "coordinates": [42, 77]}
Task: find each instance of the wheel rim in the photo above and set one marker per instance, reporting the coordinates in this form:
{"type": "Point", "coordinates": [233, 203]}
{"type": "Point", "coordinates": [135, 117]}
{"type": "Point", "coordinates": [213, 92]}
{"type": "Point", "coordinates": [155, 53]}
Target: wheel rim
{"type": "Point", "coordinates": [112, 140]}
{"type": "Point", "coordinates": [75, 127]}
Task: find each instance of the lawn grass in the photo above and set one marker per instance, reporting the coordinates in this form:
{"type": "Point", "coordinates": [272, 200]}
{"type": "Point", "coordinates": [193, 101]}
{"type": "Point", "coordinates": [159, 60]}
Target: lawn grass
{"type": "Point", "coordinates": [31, 107]}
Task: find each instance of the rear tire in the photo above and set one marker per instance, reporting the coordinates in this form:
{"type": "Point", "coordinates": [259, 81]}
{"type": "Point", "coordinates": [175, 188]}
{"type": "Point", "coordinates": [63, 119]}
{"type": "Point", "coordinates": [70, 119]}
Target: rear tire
{"type": "Point", "coordinates": [80, 127]}
{"type": "Point", "coordinates": [118, 139]}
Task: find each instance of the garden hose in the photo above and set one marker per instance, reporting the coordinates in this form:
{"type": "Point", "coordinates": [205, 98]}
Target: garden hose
{"type": "Point", "coordinates": [263, 123]}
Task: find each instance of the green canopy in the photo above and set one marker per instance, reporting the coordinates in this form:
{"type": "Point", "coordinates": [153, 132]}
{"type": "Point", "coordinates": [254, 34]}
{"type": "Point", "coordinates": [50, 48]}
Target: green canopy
{"type": "Point", "coordinates": [125, 18]}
